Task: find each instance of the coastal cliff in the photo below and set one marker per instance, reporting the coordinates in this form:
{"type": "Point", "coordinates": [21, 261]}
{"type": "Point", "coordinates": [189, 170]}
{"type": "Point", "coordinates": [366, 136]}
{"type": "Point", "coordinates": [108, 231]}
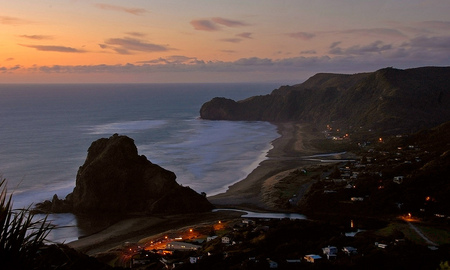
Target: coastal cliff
{"type": "Point", "coordinates": [387, 100]}
{"type": "Point", "coordinates": [115, 179]}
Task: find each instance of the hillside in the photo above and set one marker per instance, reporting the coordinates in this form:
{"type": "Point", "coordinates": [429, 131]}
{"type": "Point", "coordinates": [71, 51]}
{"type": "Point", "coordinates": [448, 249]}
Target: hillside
{"type": "Point", "coordinates": [420, 161]}
{"type": "Point", "coordinates": [388, 100]}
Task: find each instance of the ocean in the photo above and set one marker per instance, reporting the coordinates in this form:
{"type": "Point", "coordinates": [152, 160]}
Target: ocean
{"type": "Point", "coordinates": [47, 129]}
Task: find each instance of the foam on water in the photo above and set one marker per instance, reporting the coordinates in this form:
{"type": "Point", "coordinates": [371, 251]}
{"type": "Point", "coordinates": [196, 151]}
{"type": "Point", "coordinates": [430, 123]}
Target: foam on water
{"type": "Point", "coordinates": [125, 127]}
{"type": "Point", "coordinates": [214, 154]}
{"type": "Point", "coordinates": [47, 129]}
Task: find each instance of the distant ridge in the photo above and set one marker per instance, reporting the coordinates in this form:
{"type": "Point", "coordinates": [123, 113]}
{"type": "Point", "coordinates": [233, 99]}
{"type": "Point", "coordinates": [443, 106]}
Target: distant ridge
{"type": "Point", "coordinates": [388, 100]}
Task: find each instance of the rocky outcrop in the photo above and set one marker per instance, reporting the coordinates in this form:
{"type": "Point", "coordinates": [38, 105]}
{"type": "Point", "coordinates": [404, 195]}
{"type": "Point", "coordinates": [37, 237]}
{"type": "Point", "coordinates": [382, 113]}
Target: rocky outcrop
{"type": "Point", "coordinates": [115, 179]}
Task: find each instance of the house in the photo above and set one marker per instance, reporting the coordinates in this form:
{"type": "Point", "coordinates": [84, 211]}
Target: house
{"type": "Point", "coordinates": [210, 238]}
{"type": "Point", "coordinates": [248, 222]}
{"type": "Point", "coordinates": [193, 260]}
{"type": "Point", "coordinates": [330, 252]}
{"type": "Point", "coordinates": [380, 245]}
{"type": "Point", "coordinates": [331, 256]}
{"type": "Point", "coordinates": [142, 258]}
{"type": "Point", "coordinates": [272, 264]}
{"type": "Point", "coordinates": [398, 179]}
{"type": "Point", "coordinates": [349, 186]}
{"type": "Point", "coordinates": [181, 246]}
{"type": "Point", "coordinates": [350, 250]}
{"type": "Point", "coordinates": [226, 240]}
{"type": "Point", "coordinates": [312, 258]}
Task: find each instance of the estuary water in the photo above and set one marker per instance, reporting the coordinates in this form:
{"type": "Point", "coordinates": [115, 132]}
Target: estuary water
{"type": "Point", "coordinates": [45, 131]}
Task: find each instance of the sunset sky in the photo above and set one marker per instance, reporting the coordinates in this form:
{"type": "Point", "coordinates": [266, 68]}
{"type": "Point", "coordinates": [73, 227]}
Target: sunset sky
{"type": "Point", "coordinates": [285, 41]}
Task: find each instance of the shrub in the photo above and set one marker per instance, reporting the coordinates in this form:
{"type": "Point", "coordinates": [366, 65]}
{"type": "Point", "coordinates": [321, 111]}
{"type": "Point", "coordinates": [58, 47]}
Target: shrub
{"type": "Point", "coordinates": [21, 235]}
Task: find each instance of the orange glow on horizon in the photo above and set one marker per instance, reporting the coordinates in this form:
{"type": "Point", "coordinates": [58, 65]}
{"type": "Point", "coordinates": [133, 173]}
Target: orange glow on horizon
{"type": "Point", "coordinates": [210, 43]}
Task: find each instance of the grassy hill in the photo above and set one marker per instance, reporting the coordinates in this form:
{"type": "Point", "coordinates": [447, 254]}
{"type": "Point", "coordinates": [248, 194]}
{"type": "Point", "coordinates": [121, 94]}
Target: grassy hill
{"type": "Point", "coordinates": [388, 100]}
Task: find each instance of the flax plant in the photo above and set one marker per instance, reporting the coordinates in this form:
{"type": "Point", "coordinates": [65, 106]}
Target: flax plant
{"type": "Point", "coordinates": [21, 235]}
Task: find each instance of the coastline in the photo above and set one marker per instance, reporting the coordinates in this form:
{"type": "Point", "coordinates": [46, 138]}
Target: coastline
{"type": "Point", "coordinates": [288, 153]}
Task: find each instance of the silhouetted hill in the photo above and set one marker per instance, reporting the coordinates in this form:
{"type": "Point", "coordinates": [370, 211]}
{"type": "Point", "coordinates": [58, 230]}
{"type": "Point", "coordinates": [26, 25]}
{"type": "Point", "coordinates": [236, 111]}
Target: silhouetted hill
{"type": "Point", "coordinates": [388, 100]}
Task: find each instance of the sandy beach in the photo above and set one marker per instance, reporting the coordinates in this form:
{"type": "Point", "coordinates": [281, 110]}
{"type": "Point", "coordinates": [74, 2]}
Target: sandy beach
{"type": "Point", "coordinates": [287, 152]}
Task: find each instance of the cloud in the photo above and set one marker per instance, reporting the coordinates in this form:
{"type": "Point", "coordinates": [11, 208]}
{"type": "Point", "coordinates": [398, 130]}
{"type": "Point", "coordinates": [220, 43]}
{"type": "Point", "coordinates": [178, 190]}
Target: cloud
{"type": "Point", "coordinates": [37, 37]}
{"type": "Point", "coordinates": [302, 35]}
{"type": "Point", "coordinates": [12, 20]}
{"type": "Point", "coordinates": [181, 69]}
{"type": "Point", "coordinates": [373, 32]}
{"type": "Point", "coordinates": [204, 25]}
{"type": "Point", "coordinates": [214, 24]}
{"type": "Point", "coordinates": [191, 64]}
{"type": "Point", "coordinates": [228, 23]}
{"type": "Point", "coordinates": [442, 25]}
{"type": "Point", "coordinates": [341, 58]}
{"type": "Point", "coordinates": [136, 34]}
{"type": "Point", "coordinates": [254, 61]}
{"type": "Point", "coordinates": [308, 52]}
{"type": "Point", "coordinates": [335, 44]}
{"type": "Point", "coordinates": [430, 43]}
{"type": "Point", "coordinates": [126, 45]}
{"type": "Point", "coordinates": [231, 40]}
{"type": "Point", "coordinates": [52, 48]}
{"type": "Point", "coordinates": [247, 35]}
{"type": "Point", "coordinates": [9, 59]}
{"type": "Point", "coordinates": [375, 47]}
{"type": "Point", "coordinates": [133, 11]}
{"type": "Point", "coordinates": [9, 69]}
{"type": "Point", "coordinates": [174, 60]}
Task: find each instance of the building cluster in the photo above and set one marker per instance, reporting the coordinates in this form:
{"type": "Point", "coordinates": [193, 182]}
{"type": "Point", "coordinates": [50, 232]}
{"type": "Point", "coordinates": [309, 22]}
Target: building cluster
{"type": "Point", "coordinates": [379, 171]}
{"type": "Point", "coordinates": [226, 245]}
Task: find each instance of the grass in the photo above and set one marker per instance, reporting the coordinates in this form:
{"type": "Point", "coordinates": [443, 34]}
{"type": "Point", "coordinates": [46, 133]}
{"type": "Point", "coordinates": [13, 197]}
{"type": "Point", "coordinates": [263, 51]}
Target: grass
{"type": "Point", "coordinates": [437, 235]}
{"type": "Point", "coordinates": [395, 227]}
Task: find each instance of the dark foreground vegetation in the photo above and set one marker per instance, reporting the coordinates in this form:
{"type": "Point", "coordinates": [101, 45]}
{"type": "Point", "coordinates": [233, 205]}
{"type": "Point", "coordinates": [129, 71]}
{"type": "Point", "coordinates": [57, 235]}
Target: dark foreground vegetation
{"type": "Point", "coordinates": [23, 244]}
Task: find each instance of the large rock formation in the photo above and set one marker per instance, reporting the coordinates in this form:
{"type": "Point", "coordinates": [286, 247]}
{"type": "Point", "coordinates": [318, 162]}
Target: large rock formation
{"type": "Point", "coordinates": [389, 99]}
{"type": "Point", "coordinates": [115, 179]}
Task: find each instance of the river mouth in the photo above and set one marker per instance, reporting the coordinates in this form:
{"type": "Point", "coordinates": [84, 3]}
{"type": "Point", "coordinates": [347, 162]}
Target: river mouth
{"type": "Point", "coordinates": [268, 215]}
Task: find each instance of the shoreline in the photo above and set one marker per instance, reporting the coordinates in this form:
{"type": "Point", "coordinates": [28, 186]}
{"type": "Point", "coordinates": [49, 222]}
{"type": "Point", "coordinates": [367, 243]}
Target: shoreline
{"type": "Point", "coordinates": [250, 168]}
{"type": "Point", "coordinates": [288, 152]}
